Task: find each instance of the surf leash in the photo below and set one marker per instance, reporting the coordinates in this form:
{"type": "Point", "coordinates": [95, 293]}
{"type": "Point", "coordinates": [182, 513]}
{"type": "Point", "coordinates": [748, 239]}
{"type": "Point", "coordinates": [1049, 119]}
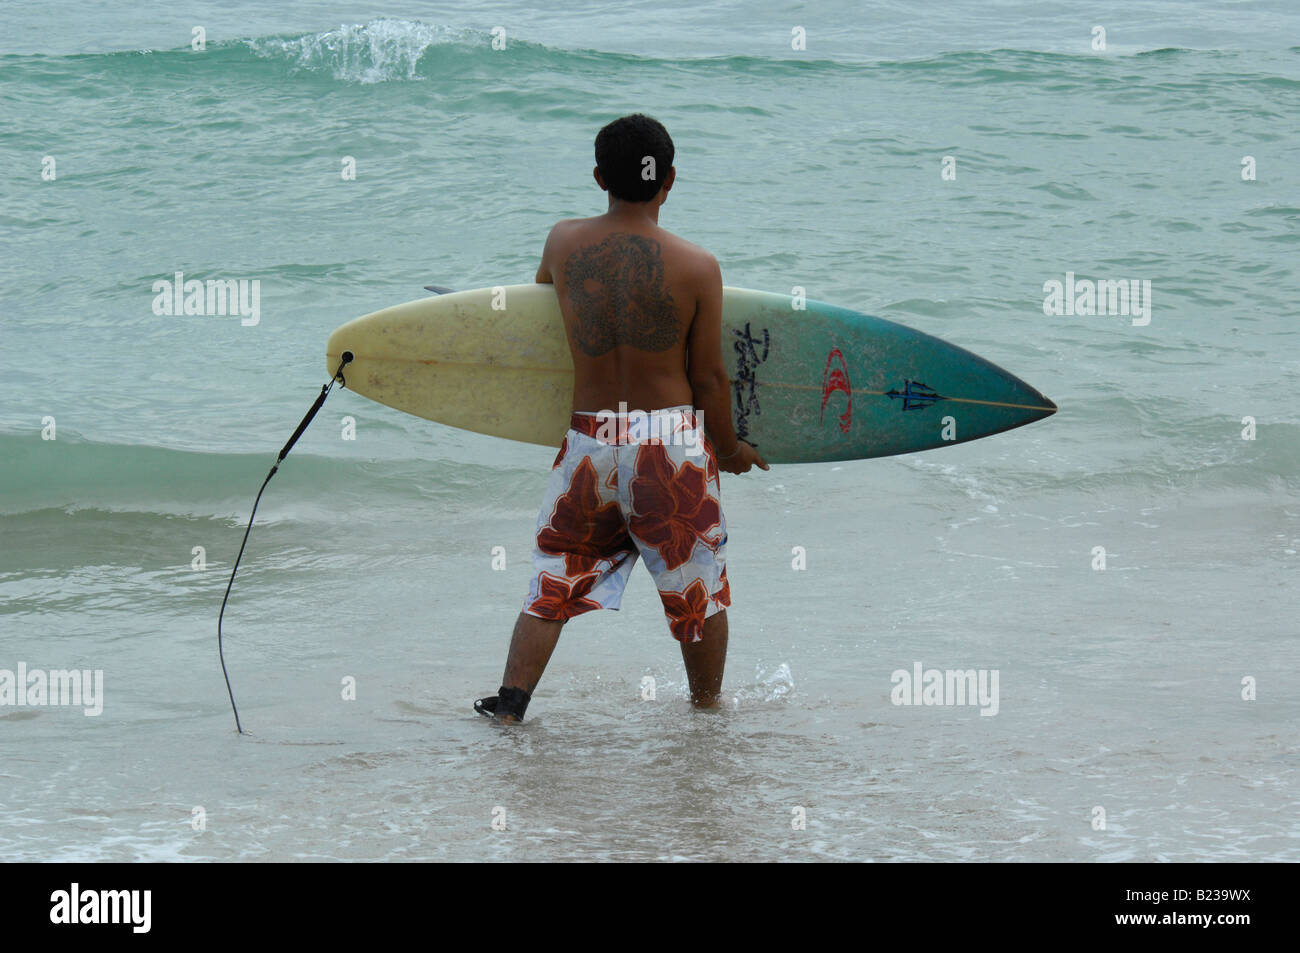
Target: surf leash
{"type": "Point", "coordinates": [284, 452]}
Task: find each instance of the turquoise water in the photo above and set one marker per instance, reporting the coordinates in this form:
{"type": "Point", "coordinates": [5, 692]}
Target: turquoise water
{"type": "Point", "coordinates": [372, 558]}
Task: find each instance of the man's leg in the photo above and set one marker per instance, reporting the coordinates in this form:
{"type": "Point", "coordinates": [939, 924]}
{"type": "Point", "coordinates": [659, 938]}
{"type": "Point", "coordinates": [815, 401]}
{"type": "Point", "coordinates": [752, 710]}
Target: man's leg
{"type": "Point", "coordinates": [705, 660]}
{"type": "Point", "coordinates": [531, 646]}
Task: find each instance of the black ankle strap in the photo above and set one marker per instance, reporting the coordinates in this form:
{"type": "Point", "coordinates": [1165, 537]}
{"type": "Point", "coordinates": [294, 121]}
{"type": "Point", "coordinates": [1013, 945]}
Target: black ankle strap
{"type": "Point", "coordinates": [512, 701]}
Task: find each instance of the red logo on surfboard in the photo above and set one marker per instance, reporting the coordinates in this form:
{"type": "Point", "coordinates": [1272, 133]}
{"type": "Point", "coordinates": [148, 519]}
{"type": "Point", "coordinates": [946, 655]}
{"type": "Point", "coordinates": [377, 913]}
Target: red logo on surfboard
{"type": "Point", "coordinates": [837, 379]}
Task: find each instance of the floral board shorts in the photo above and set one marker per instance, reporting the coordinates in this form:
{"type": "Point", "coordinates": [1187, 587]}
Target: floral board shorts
{"type": "Point", "coordinates": [629, 485]}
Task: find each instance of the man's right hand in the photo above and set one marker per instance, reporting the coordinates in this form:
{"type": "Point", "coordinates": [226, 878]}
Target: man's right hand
{"type": "Point", "coordinates": [741, 459]}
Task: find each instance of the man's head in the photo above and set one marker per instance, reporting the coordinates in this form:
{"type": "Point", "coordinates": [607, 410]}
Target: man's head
{"type": "Point", "coordinates": [634, 158]}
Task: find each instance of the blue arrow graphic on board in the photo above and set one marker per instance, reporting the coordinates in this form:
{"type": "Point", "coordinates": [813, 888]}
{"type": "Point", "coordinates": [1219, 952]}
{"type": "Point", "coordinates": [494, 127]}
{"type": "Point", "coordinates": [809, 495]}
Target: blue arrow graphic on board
{"type": "Point", "coordinates": [915, 395]}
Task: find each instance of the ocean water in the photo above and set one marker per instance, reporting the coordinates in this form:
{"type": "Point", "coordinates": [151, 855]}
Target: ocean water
{"type": "Point", "coordinates": [1120, 689]}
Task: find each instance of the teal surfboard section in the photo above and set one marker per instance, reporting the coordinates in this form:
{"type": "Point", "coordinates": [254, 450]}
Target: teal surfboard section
{"type": "Point", "coordinates": [826, 383]}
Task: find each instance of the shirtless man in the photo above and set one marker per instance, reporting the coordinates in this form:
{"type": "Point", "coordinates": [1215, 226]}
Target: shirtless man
{"type": "Point", "coordinates": [643, 315]}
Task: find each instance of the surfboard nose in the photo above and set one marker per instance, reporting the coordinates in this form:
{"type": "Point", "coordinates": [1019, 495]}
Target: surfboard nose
{"type": "Point", "coordinates": [1036, 404]}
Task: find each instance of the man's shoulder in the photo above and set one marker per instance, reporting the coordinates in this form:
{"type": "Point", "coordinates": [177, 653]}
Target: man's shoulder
{"type": "Point", "coordinates": [685, 255]}
{"type": "Point", "coordinates": [698, 257]}
{"type": "Point", "coordinates": [562, 228]}
{"type": "Point", "coordinates": [565, 227]}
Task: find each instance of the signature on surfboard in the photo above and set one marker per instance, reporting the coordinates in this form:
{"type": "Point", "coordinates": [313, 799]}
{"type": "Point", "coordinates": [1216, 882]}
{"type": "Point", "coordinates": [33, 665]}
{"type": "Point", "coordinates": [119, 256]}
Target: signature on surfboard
{"type": "Point", "coordinates": [747, 361]}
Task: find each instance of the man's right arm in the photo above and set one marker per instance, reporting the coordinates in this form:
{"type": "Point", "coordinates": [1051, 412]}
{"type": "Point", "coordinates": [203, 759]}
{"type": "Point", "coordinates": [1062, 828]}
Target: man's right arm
{"type": "Point", "coordinates": [710, 386]}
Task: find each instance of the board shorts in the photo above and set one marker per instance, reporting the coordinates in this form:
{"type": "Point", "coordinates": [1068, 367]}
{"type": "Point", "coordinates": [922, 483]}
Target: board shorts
{"type": "Point", "coordinates": [625, 486]}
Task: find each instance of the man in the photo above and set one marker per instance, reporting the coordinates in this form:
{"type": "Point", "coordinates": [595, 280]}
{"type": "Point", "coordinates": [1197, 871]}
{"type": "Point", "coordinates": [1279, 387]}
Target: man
{"type": "Point", "coordinates": [643, 315]}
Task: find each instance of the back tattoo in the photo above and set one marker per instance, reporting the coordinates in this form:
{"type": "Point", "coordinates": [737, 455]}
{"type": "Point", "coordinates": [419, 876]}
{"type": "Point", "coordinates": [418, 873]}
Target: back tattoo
{"type": "Point", "coordinates": [619, 296]}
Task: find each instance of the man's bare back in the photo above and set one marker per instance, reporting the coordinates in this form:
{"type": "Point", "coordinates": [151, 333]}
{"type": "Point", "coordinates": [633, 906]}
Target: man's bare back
{"type": "Point", "coordinates": [629, 292]}
{"type": "Point", "coordinates": [642, 312]}
{"type": "Point", "coordinates": [643, 315]}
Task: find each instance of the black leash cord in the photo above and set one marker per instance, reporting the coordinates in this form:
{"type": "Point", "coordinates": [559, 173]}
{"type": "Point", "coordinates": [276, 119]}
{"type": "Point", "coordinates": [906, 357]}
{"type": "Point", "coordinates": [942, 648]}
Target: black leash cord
{"type": "Point", "coordinates": [324, 392]}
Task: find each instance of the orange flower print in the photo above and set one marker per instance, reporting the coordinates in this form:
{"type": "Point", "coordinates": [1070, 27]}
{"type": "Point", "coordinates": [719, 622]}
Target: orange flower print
{"type": "Point", "coordinates": [581, 529]}
{"type": "Point", "coordinates": [711, 456]}
{"type": "Point", "coordinates": [723, 596]}
{"type": "Point", "coordinates": [558, 598]}
{"type": "Point", "coordinates": [671, 508]}
{"type": "Point", "coordinates": [559, 457]}
{"type": "Point", "coordinates": [685, 611]}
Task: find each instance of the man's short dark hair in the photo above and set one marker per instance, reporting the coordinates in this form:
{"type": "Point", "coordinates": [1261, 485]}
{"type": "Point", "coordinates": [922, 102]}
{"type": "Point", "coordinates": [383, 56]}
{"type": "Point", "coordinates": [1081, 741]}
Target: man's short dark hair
{"type": "Point", "coordinates": [621, 151]}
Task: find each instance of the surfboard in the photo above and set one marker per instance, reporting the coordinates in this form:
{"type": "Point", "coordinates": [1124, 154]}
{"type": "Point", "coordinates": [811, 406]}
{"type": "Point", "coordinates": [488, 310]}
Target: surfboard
{"type": "Point", "coordinates": [811, 381]}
